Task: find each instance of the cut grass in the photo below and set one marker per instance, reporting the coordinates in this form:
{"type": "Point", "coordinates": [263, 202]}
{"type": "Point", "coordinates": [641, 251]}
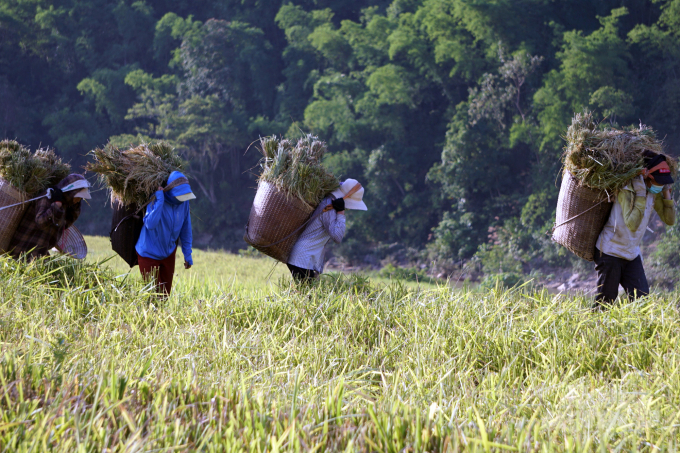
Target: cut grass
{"type": "Point", "coordinates": [345, 365]}
{"type": "Point", "coordinates": [604, 158]}
{"type": "Point", "coordinates": [133, 175]}
{"type": "Point", "coordinates": [295, 168]}
{"type": "Point", "coordinates": [30, 172]}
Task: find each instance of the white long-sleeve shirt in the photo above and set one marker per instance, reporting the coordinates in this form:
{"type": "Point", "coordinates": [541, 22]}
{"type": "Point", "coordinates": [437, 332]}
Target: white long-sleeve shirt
{"type": "Point", "coordinates": [308, 252]}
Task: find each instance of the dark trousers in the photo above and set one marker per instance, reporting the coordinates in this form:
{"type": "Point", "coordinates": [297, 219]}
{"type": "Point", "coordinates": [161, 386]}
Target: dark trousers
{"type": "Point", "coordinates": [161, 270]}
{"type": "Point", "coordinates": [301, 275]}
{"type": "Point", "coordinates": [612, 271]}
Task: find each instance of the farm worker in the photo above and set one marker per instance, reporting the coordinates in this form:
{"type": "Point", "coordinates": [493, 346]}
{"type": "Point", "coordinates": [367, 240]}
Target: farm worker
{"type": "Point", "coordinates": [45, 219]}
{"type": "Point", "coordinates": [617, 251]}
{"type": "Point", "coordinates": [167, 220]}
{"type": "Point", "coordinates": [306, 260]}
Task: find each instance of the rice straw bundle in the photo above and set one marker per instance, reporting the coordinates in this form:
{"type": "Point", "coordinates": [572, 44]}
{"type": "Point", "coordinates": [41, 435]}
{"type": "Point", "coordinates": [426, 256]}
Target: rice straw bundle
{"type": "Point", "coordinates": [135, 174]}
{"type": "Point", "coordinates": [30, 172]}
{"type": "Point", "coordinates": [606, 158]}
{"type": "Point", "coordinates": [296, 169]}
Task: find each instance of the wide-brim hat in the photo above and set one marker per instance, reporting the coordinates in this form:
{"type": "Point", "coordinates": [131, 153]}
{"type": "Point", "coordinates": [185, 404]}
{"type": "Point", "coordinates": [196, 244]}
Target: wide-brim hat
{"type": "Point", "coordinates": [354, 201]}
{"type": "Point", "coordinates": [72, 243]}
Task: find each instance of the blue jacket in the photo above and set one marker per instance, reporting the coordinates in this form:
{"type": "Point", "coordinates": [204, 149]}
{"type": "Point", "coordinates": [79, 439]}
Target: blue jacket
{"type": "Point", "coordinates": [166, 220]}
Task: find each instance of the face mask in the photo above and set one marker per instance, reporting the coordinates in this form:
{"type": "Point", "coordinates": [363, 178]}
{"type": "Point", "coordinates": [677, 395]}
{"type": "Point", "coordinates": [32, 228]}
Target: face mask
{"type": "Point", "coordinates": [655, 189]}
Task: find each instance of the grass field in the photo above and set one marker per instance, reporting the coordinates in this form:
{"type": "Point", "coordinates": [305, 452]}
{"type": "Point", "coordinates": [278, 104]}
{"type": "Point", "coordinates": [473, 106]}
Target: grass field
{"type": "Point", "coordinates": [90, 360]}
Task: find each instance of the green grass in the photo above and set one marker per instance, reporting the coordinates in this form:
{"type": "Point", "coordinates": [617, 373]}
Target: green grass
{"type": "Point", "coordinates": [91, 361]}
{"type": "Point", "coordinates": [218, 271]}
{"type": "Point", "coordinates": [212, 272]}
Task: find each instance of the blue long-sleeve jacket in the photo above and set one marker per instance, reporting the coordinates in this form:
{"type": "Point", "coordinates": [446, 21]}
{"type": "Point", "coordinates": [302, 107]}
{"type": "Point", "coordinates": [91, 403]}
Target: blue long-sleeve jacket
{"type": "Point", "coordinates": [165, 221]}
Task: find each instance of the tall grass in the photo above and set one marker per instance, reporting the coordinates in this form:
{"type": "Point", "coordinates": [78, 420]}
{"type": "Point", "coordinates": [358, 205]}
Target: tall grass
{"type": "Point", "coordinates": [91, 361]}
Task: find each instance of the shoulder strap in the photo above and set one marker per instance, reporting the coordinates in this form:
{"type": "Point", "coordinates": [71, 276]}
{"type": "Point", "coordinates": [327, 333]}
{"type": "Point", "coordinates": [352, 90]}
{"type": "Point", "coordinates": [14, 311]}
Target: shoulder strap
{"type": "Point", "coordinates": [177, 182]}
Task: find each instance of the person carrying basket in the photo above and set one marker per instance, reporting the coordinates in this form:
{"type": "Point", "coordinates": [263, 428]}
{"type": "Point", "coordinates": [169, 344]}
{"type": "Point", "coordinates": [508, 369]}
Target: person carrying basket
{"type": "Point", "coordinates": [167, 220]}
{"type": "Point", "coordinates": [46, 218]}
{"type": "Point", "coordinates": [306, 260]}
{"type": "Point", "coordinates": [617, 251]}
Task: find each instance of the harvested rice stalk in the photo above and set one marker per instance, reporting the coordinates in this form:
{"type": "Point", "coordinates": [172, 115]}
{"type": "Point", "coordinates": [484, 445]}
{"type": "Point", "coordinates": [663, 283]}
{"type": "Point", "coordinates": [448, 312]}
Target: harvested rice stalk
{"type": "Point", "coordinates": [134, 175]}
{"type": "Point", "coordinates": [606, 158]}
{"type": "Point", "coordinates": [55, 168]}
{"type": "Point", "coordinates": [30, 172]}
{"type": "Point", "coordinates": [296, 169]}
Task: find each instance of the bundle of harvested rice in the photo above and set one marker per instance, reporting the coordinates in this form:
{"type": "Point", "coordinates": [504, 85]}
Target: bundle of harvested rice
{"type": "Point", "coordinates": [135, 174]}
{"type": "Point", "coordinates": [295, 168]}
{"type": "Point", "coordinates": [29, 172]}
{"type": "Point", "coordinates": [604, 158]}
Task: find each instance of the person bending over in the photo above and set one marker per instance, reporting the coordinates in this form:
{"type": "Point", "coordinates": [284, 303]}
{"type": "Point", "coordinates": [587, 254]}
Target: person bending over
{"type": "Point", "coordinates": [306, 260]}
{"type": "Point", "coordinates": [617, 251]}
{"type": "Point", "coordinates": [46, 219]}
{"type": "Point", "coordinates": [167, 220]}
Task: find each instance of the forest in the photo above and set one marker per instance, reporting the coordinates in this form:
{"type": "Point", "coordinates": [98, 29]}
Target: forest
{"type": "Point", "coordinates": [450, 112]}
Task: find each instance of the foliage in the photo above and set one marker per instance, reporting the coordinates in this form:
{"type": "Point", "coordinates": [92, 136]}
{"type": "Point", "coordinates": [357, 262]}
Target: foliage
{"type": "Point", "coordinates": [665, 260]}
{"type": "Point", "coordinates": [450, 112]}
{"type": "Point", "coordinates": [347, 364]}
{"type": "Point", "coordinates": [404, 273]}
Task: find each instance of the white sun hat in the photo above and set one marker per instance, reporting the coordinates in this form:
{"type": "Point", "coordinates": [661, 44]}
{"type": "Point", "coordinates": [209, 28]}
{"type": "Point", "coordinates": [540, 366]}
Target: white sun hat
{"type": "Point", "coordinates": [81, 184]}
{"type": "Point", "coordinates": [353, 198]}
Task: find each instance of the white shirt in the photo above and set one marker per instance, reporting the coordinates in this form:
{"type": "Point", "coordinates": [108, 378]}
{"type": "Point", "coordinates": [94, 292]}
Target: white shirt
{"type": "Point", "coordinates": [308, 252]}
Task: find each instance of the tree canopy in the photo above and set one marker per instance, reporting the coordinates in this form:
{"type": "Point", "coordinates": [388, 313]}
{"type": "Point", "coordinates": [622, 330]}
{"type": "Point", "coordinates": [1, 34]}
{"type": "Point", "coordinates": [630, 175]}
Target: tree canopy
{"type": "Point", "coordinates": [450, 112]}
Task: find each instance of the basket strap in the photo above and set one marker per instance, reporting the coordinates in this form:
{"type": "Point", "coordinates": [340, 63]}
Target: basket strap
{"type": "Point", "coordinates": [351, 192]}
{"type": "Point", "coordinates": [22, 202]}
{"type": "Point", "coordinates": [177, 182]}
{"type": "Point", "coordinates": [578, 215]}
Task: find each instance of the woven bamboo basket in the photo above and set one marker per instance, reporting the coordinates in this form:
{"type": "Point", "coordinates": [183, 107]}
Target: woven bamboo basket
{"type": "Point", "coordinates": [273, 217]}
{"type": "Point", "coordinates": [581, 216]}
{"type": "Point", "coordinates": [11, 217]}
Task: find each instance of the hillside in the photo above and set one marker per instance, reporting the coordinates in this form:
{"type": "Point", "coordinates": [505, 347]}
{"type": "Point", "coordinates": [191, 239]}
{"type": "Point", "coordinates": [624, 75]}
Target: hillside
{"type": "Point", "coordinates": [451, 113]}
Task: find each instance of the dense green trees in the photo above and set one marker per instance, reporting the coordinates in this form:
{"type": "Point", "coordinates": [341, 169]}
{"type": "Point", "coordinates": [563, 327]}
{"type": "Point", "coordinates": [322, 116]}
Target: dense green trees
{"type": "Point", "coordinates": [450, 111]}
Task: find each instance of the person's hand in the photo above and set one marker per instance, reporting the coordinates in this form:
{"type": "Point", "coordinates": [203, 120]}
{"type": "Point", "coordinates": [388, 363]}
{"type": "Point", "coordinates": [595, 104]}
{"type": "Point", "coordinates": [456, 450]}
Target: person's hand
{"type": "Point", "coordinates": [187, 265]}
{"type": "Point", "coordinates": [160, 188]}
{"type": "Point", "coordinates": [667, 193]}
{"type": "Point", "coordinates": [640, 187]}
{"type": "Point", "coordinates": [56, 195]}
{"type": "Point", "coordinates": [338, 204]}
